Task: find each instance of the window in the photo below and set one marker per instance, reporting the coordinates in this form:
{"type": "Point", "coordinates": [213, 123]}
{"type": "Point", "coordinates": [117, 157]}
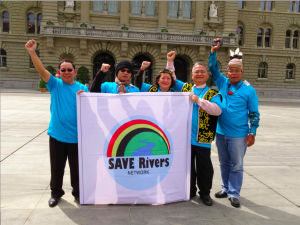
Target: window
{"type": "Point", "coordinates": [112, 7]}
{"type": "Point", "coordinates": [289, 71]}
{"type": "Point", "coordinates": [173, 9]}
{"type": "Point", "coordinates": [186, 9]}
{"type": "Point", "coordinates": [295, 39]}
{"type": "Point", "coordinates": [136, 8]}
{"type": "Point", "coordinates": [31, 63]}
{"type": "Point", "coordinates": [267, 5]}
{"type": "Point", "coordinates": [259, 37]}
{"type": "Point", "coordinates": [5, 22]}
{"type": "Point", "coordinates": [292, 39]}
{"type": "Point", "coordinates": [262, 73]}
{"type": "Point", "coordinates": [241, 4]}
{"type": "Point", "coordinates": [294, 6]}
{"type": "Point", "coordinates": [98, 6]}
{"type": "Point", "coordinates": [240, 34]}
{"type": "Point", "coordinates": [3, 58]}
{"type": "Point", "coordinates": [288, 39]}
{"type": "Point", "coordinates": [34, 23]}
{"type": "Point", "coordinates": [150, 8]}
{"type": "Point", "coordinates": [267, 38]}
{"type": "Point", "coordinates": [31, 23]}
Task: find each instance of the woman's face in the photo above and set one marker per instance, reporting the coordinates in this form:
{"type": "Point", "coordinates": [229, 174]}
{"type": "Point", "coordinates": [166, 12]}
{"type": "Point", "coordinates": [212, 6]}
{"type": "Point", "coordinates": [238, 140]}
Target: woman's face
{"type": "Point", "coordinates": [165, 81]}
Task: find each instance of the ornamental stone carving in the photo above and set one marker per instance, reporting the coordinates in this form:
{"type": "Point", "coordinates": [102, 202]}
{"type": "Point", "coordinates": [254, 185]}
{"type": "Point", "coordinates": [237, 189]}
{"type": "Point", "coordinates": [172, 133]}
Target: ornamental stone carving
{"type": "Point", "coordinates": [124, 49]}
{"type": "Point", "coordinates": [213, 10]}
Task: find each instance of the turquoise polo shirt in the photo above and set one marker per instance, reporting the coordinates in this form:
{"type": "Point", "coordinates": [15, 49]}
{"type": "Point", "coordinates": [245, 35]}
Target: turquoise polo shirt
{"type": "Point", "coordinates": [236, 108]}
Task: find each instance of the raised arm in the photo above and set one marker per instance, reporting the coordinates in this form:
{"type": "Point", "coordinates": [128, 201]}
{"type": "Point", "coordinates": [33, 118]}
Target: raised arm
{"type": "Point", "coordinates": [170, 64]}
{"type": "Point", "coordinates": [96, 85]}
{"type": "Point", "coordinates": [31, 47]}
{"type": "Point", "coordinates": [139, 77]}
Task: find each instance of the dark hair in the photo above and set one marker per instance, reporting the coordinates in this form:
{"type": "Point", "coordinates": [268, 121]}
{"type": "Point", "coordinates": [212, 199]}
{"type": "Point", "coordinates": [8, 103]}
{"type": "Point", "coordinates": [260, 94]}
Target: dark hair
{"type": "Point", "coordinates": [67, 61]}
{"type": "Point", "coordinates": [173, 82]}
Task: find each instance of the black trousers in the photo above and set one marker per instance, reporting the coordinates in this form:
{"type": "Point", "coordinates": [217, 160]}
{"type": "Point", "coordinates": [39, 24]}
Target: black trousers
{"type": "Point", "coordinates": [59, 153]}
{"type": "Point", "coordinates": [203, 171]}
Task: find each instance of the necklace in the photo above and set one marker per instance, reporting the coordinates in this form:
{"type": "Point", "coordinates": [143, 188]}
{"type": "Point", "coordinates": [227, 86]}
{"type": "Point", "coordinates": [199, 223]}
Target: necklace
{"type": "Point", "coordinates": [230, 92]}
{"type": "Point", "coordinates": [201, 91]}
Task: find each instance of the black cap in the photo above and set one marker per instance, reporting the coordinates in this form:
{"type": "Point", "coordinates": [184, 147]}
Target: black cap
{"type": "Point", "coordinates": [124, 64]}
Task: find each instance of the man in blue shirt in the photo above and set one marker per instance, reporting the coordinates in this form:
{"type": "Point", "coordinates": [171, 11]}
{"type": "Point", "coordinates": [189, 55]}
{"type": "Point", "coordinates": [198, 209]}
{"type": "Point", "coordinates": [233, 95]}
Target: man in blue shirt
{"type": "Point", "coordinates": [63, 124]}
{"type": "Point", "coordinates": [240, 106]}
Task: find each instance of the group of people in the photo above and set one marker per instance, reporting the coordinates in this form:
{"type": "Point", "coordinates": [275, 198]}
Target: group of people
{"type": "Point", "coordinates": [224, 116]}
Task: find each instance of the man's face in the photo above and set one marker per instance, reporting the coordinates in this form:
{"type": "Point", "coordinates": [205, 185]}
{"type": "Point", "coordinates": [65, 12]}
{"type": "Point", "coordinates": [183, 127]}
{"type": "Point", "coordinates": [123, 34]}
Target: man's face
{"type": "Point", "coordinates": [200, 75]}
{"type": "Point", "coordinates": [124, 74]}
{"type": "Point", "coordinates": [67, 73]}
{"type": "Point", "coordinates": [234, 75]}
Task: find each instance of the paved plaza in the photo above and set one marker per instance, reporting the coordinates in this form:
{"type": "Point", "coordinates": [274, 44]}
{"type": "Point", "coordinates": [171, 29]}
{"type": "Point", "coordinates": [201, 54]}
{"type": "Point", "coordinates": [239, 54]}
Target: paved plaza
{"type": "Point", "coordinates": [270, 192]}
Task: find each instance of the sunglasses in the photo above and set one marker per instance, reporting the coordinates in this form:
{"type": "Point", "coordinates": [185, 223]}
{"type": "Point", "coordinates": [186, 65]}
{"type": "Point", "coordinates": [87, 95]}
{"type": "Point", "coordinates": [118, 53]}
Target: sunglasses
{"type": "Point", "coordinates": [64, 70]}
{"type": "Point", "coordinates": [128, 71]}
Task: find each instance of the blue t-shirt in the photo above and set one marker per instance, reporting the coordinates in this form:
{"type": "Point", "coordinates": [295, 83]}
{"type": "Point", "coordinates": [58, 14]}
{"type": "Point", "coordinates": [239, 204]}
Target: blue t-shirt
{"type": "Point", "coordinates": [112, 87]}
{"type": "Point", "coordinates": [200, 92]}
{"type": "Point", "coordinates": [63, 108]}
{"type": "Point", "coordinates": [234, 120]}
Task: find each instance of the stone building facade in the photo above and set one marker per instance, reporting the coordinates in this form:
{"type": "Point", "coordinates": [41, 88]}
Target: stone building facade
{"type": "Point", "coordinates": [91, 33]}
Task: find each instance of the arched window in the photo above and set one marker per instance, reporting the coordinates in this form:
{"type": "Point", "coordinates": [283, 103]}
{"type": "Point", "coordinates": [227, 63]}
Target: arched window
{"type": "Point", "coordinates": [31, 23]}
{"type": "Point", "coordinates": [268, 38]}
{"type": "Point", "coordinates": [262, 70]}
{"type": "Point", "coordinates": [291, 6]}
{"type": "Point", "coordinates": [259, 37]}
{"type": "Point", "coordinates": [3, 58]}
{"type": "Point", "coordinates": [137, 62]}
{"type": "Point", "coordinates": [262, 5]}
{"type": "Point", "coordinates": [180, 68]}
{"type": "Point", "coordinates": [290, 71]}
{"type": "Point", "coordinates": [295, 39]}
{"type": "Point", "coordinates": [39, 20]}
{"type": "Point", "coordinates": [288, 39]}
{"type": "Point", "coordinates": [108, 59]}
{"type": "Point", "coordinates": [5, 22]}
{"type": "Point", "coordinates": [241, 4]}
{"type": "Point", "coordinates": [270, 6]}
{"type": "Point", "coordinates": [240, 34]}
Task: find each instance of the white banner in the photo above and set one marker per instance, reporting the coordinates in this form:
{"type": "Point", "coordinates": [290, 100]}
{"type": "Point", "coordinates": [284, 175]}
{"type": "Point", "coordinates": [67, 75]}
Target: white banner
{"type": "Point", "coordinates": [134, 148]}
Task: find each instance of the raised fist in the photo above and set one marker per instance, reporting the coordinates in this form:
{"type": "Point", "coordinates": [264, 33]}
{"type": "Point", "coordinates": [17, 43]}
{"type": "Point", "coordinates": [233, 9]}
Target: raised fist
{"type": "Point", "coordinates": [30, 45]}
{"type": "Point", "coordinates": [105, 67]}
{"type": "Point", "coordinates": [145, 65]}
{"type": "Point", "coordinates": [171, 56]}
{"type": "Point", "coordinates": [215, 48]}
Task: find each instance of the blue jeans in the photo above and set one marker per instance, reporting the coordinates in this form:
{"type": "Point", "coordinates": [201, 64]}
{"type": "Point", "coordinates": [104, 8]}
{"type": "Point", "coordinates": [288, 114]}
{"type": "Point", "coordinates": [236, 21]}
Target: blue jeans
{"type": "Point", "coordinates": [231, 151]}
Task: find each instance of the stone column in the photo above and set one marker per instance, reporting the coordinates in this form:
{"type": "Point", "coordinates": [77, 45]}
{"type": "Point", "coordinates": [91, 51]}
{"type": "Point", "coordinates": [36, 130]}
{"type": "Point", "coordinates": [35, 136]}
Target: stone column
{"type": "Point", "coordinates": [85, 12]}
{"type": "Point", "coordinates": [162, 15]}
{"type": "Point", "coordinates": [199, 18]}
{"type": "Point", "coordinates": [50, 13]}
{"type": "Point", "coordinates": [124, 17]}
{"type": "Point", "coordinates": [230, 18]}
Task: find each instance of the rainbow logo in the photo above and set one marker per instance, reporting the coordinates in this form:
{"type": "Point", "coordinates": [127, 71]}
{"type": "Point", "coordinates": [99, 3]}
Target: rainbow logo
{"type": "Point", "coordinates": [138, 138]}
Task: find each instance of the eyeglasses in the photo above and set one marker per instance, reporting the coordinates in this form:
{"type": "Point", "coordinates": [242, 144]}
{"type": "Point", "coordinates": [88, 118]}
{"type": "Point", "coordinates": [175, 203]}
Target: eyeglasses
{"type": "Point", "coordinates": [64, 70]}
{"type": "Point", "coordinates": [128, 71]}
{"type": "Point", "coordinates": [232, 71]}
{"type": "Point", "coordinates": [200, 72]}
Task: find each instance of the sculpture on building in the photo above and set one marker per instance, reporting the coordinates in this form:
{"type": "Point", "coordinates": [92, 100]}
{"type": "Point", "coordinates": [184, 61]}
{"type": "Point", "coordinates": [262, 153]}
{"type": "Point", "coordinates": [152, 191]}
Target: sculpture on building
{"type": "Point", "coordinates": [69, 3]}
{"type": "Point", "coordinates": [213, 10]}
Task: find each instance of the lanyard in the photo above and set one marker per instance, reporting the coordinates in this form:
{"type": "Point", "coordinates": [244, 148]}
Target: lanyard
{"type": "Point", "coordinates": [230, 92]}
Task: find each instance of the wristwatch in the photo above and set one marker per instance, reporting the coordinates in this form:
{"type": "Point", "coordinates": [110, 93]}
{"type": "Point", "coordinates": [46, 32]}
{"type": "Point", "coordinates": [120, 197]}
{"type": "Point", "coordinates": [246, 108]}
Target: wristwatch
{"type": "Point", "coordinates": [253, 134]}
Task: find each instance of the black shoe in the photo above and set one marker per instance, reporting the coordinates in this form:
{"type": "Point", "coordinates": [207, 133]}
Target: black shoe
{"type": "Point", "coordinates": [53, 201]}
{"type": "Point", "coordinates": [206, 200]}
{"type": "Point", "coordinates": [234, 202]}
{"type": "Point", "coordinates": [221, 194]}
